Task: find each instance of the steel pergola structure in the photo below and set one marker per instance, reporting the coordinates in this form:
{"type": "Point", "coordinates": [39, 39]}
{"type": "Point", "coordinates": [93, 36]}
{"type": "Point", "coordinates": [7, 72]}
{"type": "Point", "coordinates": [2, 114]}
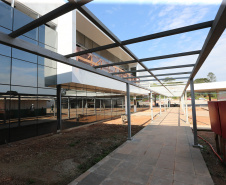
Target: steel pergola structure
{"type": "Point", "coordinates": [217, 27]}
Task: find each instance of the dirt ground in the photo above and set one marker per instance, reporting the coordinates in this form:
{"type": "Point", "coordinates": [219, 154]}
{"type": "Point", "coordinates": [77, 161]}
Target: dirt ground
{"type": "Point", "coordinates": [202, 116]}
{"type": "Point", "coordinates": [216, 168]}
{"type": "Point", "coordinates": [60, 158]}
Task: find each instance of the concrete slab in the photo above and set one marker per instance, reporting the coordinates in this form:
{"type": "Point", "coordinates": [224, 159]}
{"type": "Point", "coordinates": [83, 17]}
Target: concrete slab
{"type": "Point", "coordinates": [161, 153]}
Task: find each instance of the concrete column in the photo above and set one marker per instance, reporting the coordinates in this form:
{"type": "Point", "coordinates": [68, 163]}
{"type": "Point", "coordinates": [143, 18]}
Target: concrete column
{"type": "Point", "coordinates": [111, 105]}
{"type": "Point", "coordinates": [155, 99]}
{"type": "Point", "coordinates": [95, 105]}
{"type": "Point", "coordinates": [160, 105]}
{"type": "Point", "coordinates": [151, 107]}
{"type": "Point", "coordinates": [135, 103]}
{"type": "Point", "coordinates": [59, 125]}
{"type": "Point", "coordinates": [164, 103]}
{"type": "Point", "coordinates": [69, 108]}
{"type": "Point", "coordinates": [128, 111]}
{"type": "Point", "coordinates": [12, 3]}
{"type": "Point", "coordinates": [186, 106]}
{"type": "Point", "coordinates": [193, 113]}
{"type": "Point", "coordinates": [82, 106]}
{"type": "Point", "coordinates": [126, 105]}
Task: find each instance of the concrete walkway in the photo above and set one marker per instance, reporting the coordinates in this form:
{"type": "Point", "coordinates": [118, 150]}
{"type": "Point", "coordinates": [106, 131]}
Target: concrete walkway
{"type": "Point", "coordinates": [160, 154]}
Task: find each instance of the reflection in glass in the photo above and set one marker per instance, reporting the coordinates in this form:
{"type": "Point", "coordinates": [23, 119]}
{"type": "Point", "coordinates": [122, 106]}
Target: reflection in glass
{"type": "Point", "coordinates": [5, 69]}
{"type": "Point", "coordinates": [46, 76]}
{"type": "Point", "coordinates": [24, 73]}
{"type": "Point", "coordinates": [6, 15]}
{"type": "Point", "coordinates": [19, 54]}
{"type": "Point", "coordinates": [21, 19]}
{"type": "Point", "coordinates": [48, 36]}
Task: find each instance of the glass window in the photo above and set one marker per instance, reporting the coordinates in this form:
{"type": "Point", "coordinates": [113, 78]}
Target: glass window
{"type": "Point", "coordinates": [4, 50]}
{"type": "Point", "coordinates": [4, 88]}
{"type": "Point", "coordinates": [46, 76]}
{"type": "Point", "coordinates": [21, 19]}
{"type": "Point", "coordinates": [48, 36]}
{"type": "Point", "coordinates": [47, 91]}
{"type": "Point", "coordinates": [5, 69]}
{"type": "Point", "coordinates": [6, 15]}
{"type": "Point", "coordinates": [24, 73]}
{"type": "Point", "coordinates": [24, 90]}
{"type": "Point", "coordinates": [23, 55]}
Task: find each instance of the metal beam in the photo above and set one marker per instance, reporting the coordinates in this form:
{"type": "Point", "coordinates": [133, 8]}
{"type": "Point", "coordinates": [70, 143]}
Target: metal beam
{"type": "Point", "coordinates": [166, 74]}
{"type": "Point", "coordinates": [147, 37]}
{"type": "Point", "coordinates": [161, 79]}
{"type": "Point", "coordinates": [37, 50]}
{"type": "Point", "coordinates": [151, 58]}
{"type": "Point", "coordinates": [48, 17]}
{"type": "Point", "coordinates": [155, 69]}
{"type": "Point", "coordinates": [213, 36]}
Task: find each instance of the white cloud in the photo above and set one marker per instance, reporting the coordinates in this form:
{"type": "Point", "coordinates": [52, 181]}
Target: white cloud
{"type": "Point", "coordinates": [160, 1]}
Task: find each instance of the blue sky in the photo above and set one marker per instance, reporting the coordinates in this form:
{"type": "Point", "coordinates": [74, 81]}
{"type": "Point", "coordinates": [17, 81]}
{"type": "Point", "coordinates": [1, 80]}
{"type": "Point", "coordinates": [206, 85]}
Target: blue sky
{"type": "Point", "coordinates": [129, 19]}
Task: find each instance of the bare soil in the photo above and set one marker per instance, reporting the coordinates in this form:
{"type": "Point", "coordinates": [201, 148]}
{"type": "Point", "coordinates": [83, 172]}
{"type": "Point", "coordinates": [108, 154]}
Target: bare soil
{"type": "Point", "coordinates": [58, 159]}
{"type": "Point", "coordinates": [216, 168]}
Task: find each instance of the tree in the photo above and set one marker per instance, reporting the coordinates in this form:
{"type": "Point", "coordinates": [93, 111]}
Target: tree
{"type": "Point", "coordinates": [168, 79]}
{"type": "Point", "coordinates": [201, 80]}
{"type": "Point", "coordinates": [211, 77]}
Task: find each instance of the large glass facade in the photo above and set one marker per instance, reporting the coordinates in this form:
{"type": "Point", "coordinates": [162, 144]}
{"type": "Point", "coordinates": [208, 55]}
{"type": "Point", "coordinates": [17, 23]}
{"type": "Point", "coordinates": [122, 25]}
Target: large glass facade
{"type": "Point", "coordinates": [27, 81]}
{"type": "Point", "coordinates": [28, 103]}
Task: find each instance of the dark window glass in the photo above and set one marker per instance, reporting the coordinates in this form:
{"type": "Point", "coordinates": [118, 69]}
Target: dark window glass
{"type": "Point", "coordinates": [4, 50]}
{"type": "Point", "coordinates": [47, 76]}
{"type": "Point", "coordinates": [21, 19]}
{"type": "Point", "coordinates": [5, 69]}
{"type": "Point", "coordinates": [6, 15]}
{"type": "Point", "coordinates": [24, 73]}
{"type": "Point", "coordinates": [48, 36]}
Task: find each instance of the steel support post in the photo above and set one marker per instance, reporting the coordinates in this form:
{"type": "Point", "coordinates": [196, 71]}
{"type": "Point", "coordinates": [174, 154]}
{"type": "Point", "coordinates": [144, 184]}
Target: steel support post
{"type": "Point", "coordinates": [59, 107]}
{"type": "Point", "coordinates": [193, 113]}
{"type": "Point", "coordinates": [186, 106]}
{"type": "Point", "coordinates": [111, 106]}
{"type": "Point", "coordinates": [151, 106]}
{"type": "Point", "coordinates": [69, 108]}
{"type": "Point", "coordinates": [160, 105]}
{"type": "Point", "coordinates": [100, 105]}
{"type": "Point", "coordinates": [128, 111]}
{"type": "Point", "coordinates": [19, 111]}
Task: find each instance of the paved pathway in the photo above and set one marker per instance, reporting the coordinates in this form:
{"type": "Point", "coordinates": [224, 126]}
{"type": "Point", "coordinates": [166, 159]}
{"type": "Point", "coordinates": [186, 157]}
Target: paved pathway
{"type": "Point", "coordinates": [160, 154]}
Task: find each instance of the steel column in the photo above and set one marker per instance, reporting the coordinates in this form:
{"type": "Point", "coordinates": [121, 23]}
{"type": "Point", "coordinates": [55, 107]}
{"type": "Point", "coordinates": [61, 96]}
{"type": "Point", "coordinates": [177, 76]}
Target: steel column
{"type": "Point", "coordinates": [54, 108]}
{"type": "Point", "coordinates": [128, 111]}
{"type": "Point", "coordinates": [59, 125]}
{"type": "Point", "coordinates": [193, 113]}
